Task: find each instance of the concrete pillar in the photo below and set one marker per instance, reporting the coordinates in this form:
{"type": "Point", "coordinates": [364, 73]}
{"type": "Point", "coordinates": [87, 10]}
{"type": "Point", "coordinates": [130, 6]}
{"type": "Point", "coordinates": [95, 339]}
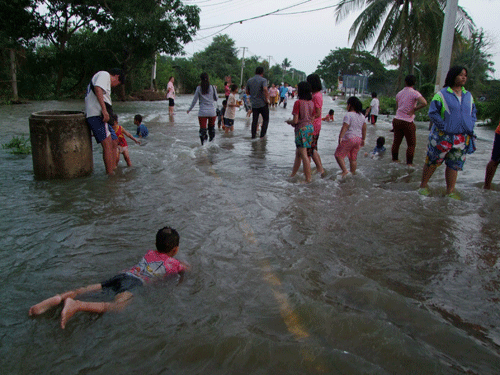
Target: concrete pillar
{"type": "Point", "coordinates": [61, 144]}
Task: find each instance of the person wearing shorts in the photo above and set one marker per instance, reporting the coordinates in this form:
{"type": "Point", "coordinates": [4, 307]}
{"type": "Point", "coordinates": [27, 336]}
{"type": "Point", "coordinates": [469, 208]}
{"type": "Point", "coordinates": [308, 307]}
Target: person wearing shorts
{"type": "Point", "coordinates": [171, 95]}
{"type": "Point", "coordinates": [122, 142]}
{"type": "Point", "coordinates": [491, 168]}
{"type": "Point", "coordinates": [96, 113]}
{"type": "Point", "coordinates": [317, 98]}
{"type": "Point", "coordinates": [154, 265]}
{"type": "Point", "coordinates": [448, 148]}
{"type": "Point", "coordinates": [451, 138]}
{"type": "Point", "coordinates": [230, 112]}
{"type": "Point", "coordinates": [352, 136]}
{"type": "Point", "coordinates": [303, 113]}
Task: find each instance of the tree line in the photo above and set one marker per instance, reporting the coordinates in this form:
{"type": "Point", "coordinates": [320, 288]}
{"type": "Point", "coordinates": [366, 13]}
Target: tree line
{"type": "Point", "coordinates": [49, 49]}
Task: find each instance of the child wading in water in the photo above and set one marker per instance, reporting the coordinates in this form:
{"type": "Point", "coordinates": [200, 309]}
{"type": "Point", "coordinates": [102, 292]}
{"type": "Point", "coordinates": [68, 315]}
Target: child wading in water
{"type": "Point", "coordinates": [303, 113]}
{"type": "Point", "coordinates": [154, 265]}
{"type": "Point", "coordinates": [122, 142]}
{"type": "Point", "coordinates": [352, 136]}
{"type": "Point", "coordinates": [230, 112]}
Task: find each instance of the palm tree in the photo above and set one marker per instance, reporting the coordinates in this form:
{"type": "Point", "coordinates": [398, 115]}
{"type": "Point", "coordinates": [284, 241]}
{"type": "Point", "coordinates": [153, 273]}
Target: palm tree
{"type": "Point", "coordinates": [285, 65]}
{"type": "Point", "coordinates": [407, 28]}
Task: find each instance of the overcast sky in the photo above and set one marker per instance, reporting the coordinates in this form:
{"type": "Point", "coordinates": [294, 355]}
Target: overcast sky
{"type": "Point", "coordinates": [302, 33]}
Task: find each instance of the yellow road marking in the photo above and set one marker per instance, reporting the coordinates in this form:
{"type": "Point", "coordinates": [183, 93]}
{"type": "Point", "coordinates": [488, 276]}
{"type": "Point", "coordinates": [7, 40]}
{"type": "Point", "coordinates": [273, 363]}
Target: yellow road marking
{"type": "Point", "coordinates": [290, 318]}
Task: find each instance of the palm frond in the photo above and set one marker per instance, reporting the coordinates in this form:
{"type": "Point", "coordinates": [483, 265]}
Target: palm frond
{"type": "Point", "coordinates": [345, 7]}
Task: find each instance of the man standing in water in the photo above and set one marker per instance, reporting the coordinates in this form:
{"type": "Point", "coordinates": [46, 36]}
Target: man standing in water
{"type": "Point", "coordinates": [97, 102]}
{"type": "Point", "coordinates": [259, 97]}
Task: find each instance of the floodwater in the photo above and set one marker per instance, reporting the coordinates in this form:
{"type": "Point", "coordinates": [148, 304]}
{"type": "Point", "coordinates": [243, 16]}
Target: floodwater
{"type": "Point", "coordinates": [355, 276]}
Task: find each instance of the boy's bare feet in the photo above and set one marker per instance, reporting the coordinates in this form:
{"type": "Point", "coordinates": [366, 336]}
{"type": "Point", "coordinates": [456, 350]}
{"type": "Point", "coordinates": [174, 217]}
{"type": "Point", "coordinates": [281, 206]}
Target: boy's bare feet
{"type": "Point", "coordinates": [70, 308]}
{"type": "Point", "coordinates": [43, 306]}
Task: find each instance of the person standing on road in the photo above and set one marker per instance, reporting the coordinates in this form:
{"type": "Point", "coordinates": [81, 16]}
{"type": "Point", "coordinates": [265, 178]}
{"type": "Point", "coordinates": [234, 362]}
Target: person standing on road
{"type": "Point", "coordinates": [408, 101]}
{"type": "Point", "coordinates": [259, 97]}
{"type": "Point", "coordinates": [206, 94]}
{"type": "Point", "coordinates": [171, 96]}
{"type": "Point", "coordinates": [97, 108]}
{"type": "Point", "coordinates": [453, 115]}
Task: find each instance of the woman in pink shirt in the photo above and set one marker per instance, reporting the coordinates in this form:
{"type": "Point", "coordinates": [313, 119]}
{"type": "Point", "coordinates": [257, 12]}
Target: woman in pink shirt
{"type": "Point", "coordinates": [404, 127]}
{"type": "Point", "coordinates": [317, 98]}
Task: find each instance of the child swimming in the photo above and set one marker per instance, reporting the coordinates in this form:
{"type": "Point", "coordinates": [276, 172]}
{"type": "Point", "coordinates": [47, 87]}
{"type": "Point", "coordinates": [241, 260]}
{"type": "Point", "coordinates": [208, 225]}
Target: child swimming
{"type": "Point", "coordinates": [156, 264]}
{"type": "Point", "coordinates": [329, 116]}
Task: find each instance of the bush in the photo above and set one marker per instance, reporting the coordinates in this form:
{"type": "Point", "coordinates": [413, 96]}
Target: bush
{"type": "Point", "coordinates": [489, 111]}
{"type": "Point", "coordinates": [427, 91]}
{"type": "Point", "coordinates": [18, 146]}
{"type": "Point", "coordinates": [387, 104]}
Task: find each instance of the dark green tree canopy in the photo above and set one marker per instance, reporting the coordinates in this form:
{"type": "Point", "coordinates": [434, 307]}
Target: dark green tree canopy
{"type": "Point", "coordinates": [220, 58]}
{"type": "Point", "coordinates": [19, 22]}
{"type": "Point", "coordinates": [346, 61]}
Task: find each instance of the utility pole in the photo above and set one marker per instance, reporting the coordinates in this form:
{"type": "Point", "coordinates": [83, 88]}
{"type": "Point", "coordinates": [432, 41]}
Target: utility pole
{"type": "Point", "coordinates": [242, 66]}
{"type": "Point", "coordinates": [450, 17]}
{"type": "Point", "coordinates": [153, 75]}
{"type": "Point", "coordinates": [13, 72]}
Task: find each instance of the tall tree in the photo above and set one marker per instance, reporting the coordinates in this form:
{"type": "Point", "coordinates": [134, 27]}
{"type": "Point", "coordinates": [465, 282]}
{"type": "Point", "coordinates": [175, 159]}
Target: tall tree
{"type": "Point", "coordinates": [285, 65]}
{"type": "Point", "coordinates": [404, 27]}
{"type": "Point", "coordinates": [220, 58]}
{"type": "Point", "coordinates": [346, 61]}
{"type": "Point", "coordinates": [475, 57]}
{"type": "Point", "coordinates": [19, 24]}
{"type": "Point", "coordinates": [63, 18]}
{"type": "Point", "coordinates": [120, 33]}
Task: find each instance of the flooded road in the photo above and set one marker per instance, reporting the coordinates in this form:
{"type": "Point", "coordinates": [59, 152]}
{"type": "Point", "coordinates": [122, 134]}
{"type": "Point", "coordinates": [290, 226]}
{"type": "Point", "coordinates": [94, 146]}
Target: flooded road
{"type": "Point", "coordinates": [354, 276]}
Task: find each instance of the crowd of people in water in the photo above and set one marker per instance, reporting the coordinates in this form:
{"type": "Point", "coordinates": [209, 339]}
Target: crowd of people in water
{"type": "Point", "coordinates": [451, 138]}
{"type": "Point", "coordinates": [452, 112]}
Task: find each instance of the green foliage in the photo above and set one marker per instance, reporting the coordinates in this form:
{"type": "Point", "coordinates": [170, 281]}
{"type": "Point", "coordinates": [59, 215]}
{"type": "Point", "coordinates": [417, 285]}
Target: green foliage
{"type": "Point", "coordinates": [403, 29]}
{"type": "Point", "coordinates": [346, 61]}
{"type": "Point", "coordinates": [19, 23]}
{"type": "Point", "coordinates": [187, 75]}
{"type": "Point", "coordinates": [472, 54]}
{"type": "Point", "coordinates": [219, 59]}
{"type": "Point", "coordinates": [18, 146]}
{"type": "Point", "coordinates": [422, 115]}
{"type": "Point", "coordinates": [427, 91]}
{"type": "Point", "coordinates": [79, 38]}
{"type": "Point", "coordinates": [251, 63]}
{"type": "Point", "coordinates": [489, 111]}
{"type": "Point", "coordinates": [387, 104]}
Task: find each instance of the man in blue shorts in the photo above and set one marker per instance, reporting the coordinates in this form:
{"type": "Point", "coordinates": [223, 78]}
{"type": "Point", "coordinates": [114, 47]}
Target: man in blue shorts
{"type": "Point", "coordinates": [96, 111]}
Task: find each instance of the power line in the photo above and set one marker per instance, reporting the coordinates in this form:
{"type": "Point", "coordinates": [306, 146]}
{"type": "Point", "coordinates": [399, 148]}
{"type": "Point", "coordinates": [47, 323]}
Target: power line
{"type": "Point", "coordinates": [305, 11]}
{"type": "Point", "coordinates": [256, 17]}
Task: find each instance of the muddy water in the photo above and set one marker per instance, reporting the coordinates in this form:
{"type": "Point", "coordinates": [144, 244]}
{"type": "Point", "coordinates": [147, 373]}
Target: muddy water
{"type": "Point", "coordinates": [361, 276]}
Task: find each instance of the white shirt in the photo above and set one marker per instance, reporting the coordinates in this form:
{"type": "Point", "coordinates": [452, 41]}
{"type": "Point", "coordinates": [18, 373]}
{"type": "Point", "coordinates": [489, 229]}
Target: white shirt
{"type": "Point", "coordinates": [101, 79]}
{"type": "Point", "coordinates": [374, 104]}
